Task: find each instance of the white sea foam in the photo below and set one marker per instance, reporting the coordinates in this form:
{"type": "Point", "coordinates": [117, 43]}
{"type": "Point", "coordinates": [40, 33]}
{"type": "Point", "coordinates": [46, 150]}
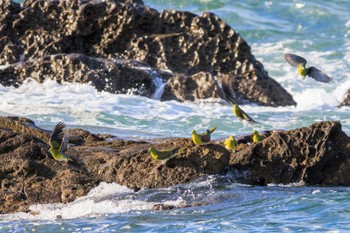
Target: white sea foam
{"type": "Point", "coordinates": [98, 201]}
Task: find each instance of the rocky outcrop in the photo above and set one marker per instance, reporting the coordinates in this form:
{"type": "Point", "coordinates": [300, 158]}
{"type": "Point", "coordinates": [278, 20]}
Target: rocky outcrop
{"type": "Point", "coordinates": [314, 155]}
{"type": "Point", "coordinates": [115, 76]}
{"type": "Point", "coordinates": [346, 101]}
{"type": "Point", "coordinates": [29, 174]}
{"type": "Point", "coordinates": [182, 42]}
{"type": "Point", "coordinates": [198, 86]}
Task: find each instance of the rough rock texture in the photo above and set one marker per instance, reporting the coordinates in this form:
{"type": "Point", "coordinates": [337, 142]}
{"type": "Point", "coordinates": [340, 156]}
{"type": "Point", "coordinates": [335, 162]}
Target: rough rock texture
{"type": "Point", "coordinates": [314, 155]}
{"type": "Point", "coordinates": [198, 86]}
{"type": "Point", "coordinates": [117, 76]}
{"type": "Point", "coordinates": [29, 175]}
{"type": "Point", "coordinates": [346, 101]}
{"type": "Point", "coordinates": [182, 42]}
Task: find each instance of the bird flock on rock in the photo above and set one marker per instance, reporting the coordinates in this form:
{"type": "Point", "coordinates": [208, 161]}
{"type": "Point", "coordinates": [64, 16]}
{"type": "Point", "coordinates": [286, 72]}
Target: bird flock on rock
{"type": "Point", "coordinates": [58, 140]}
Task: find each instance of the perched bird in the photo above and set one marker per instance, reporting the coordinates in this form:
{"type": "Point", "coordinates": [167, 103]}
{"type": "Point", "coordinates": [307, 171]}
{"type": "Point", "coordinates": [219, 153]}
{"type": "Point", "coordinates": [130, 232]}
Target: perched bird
{"type": "Point", "coordinates": [199, 139]}
{"type": "Point", "coordinates": [312, 72]}
{"type": "Point", "coordinates": [256, 137]}
{"type": "Point", "coordinates": [241, 115]}
{"type": "Point", "coordinates": [230, 143]}
{"type": "Point", "coordinates": [58, 143]}
{"type": "Point", "coordinates": [163, 155]}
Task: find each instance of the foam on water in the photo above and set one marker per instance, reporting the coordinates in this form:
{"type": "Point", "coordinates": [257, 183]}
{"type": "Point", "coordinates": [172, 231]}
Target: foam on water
{"type": "Point", "coordinates": [100, 200]}
{"type": "Point", "coordinates": [318, 30]}
{"type": "Point", "coordinates": [80, 105]}
{"type": "Point", "coordinates": [111, 198]}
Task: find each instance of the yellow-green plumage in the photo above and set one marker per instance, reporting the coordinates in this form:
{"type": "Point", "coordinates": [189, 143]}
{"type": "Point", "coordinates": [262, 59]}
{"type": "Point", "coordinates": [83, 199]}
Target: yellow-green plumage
{"type": "Point", "coordinates": [58, 143]}
{"type": "Point", "coordinates": [205, 137]}
{"type": "Point", "coordinates": [241, 115]}
{"type": "Point", "coordinates": [256, 137]}
{"type": "Point", "coordinates": [230, 143]}
{"type": "Point", "coordinates": [163, 155]}
{"type": "Point", "coordinates": [237, 111]}
{"type": "Point", "coordinates": [302, 71]}
{"type": "Point", "coordinates": [196, 138]}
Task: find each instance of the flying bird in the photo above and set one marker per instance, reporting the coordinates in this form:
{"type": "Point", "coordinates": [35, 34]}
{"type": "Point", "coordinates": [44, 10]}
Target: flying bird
{"type": "Point", "coordinates": [242, 115]}
{"type": "Point", "coordinates": [256, 137]}
{"type": "Point", "coordinates": [229, 93]}
{"type": "Point", "coordinates": [230, 143]}
{"type": "Point", "coordinates": [58, 143]}
{"type": "Point", "coordinates": [163, 155]}
{"type": "Point", "coordinates": [312, 72]}
{"type": "Point", "coordinates": [205, 137]}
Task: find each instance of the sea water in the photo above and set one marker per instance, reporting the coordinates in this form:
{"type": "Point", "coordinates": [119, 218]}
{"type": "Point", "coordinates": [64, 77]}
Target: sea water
{"type": "Point", "coordinates": [318, 30]}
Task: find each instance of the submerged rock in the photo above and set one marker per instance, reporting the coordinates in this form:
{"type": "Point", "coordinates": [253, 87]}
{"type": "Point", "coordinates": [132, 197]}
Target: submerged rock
{"type": "Point", "coordinates": [182, 42]}
{"type": "Point", "coordinates": [314, 155]}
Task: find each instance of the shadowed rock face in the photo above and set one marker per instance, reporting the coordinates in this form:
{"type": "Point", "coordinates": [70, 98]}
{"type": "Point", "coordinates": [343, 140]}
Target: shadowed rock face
{"type": "Point", "coordinates": [182, 42]}
{"type": "Point", "coordinates": [29, 175]}
{"type": "Point", "coordinates": [198, 86]}
{"type": "Point", "coordinates": [314, 155]}
{"type": "Point", "coordinates": [346, 101]}
{"type": "Point", "coordinates": [117, 76]}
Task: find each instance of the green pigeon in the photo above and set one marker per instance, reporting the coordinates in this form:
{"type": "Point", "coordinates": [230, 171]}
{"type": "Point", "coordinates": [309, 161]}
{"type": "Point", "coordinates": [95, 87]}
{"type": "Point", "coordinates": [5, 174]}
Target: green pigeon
{"type": "Point", "coordinates": [256, 137]}
{"type": "Point", "coordinates": [242, 115]}
{"type": "Point", "coordinates": [58, 143]}
{"type": "Point", "coordinates": [230, 143]}
{"type": "Point", "coordinates": [163, 155]}
{"type": "Point", "coordinates": [199, 139]}
{"type": "Point", "coordinates": [312, 72]}
{"type": "Point", "coordinates": [227, 88]}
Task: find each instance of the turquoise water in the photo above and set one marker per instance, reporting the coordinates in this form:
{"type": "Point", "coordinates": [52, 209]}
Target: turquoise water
{"type": "Point", "coordinates": [317, 30]}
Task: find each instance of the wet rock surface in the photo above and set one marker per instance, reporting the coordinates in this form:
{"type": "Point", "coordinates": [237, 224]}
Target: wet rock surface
{"type": "Point", "coordinates": [182, 42]}
{"type": "Point", "coordinates": [198, 86]}
{"type": "Point", "coordinates": [115, 76]}
{"type": "Point", "coordinates": [314, 155]}
{"type": "Point", "coordinates": [346, 101]}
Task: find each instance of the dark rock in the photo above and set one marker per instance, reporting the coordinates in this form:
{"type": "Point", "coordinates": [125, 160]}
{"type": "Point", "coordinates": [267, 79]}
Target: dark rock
{"type": "Point", "coordinates": [262, 90]}
{"type": "Point", "coordinates": [182, 42]}
{"type": "Point", "coordinates": [198, 86]}
{"type": "Point", "coordinates": [29, 175]}
{"type": "Point", "coordinates": [118, 76]}
{"type": "Point", "coordinates": [314, 155]}
{"type": "Point", "coordinates": [346, 101]}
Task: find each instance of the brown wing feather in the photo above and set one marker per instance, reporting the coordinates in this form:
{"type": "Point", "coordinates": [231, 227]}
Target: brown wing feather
{"type": "Point", "coordinates": [318, 75]}
{"type": "Point", "coordinates": [57, 135]}
{"type": "Point", "coordinates": [227, 88]}
{"type": "Point", "coordinates": [295, 60]}
{"type": "Point", "coordinates": [248, 118]}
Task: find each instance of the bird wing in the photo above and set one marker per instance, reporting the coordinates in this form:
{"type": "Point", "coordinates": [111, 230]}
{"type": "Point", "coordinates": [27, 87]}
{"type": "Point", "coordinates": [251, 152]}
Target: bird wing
{"type": "Point", "coordinates": [64, 144]}
{"type": "Point", "coordinates": [248, 118]}
{"type": "Point", "coordinates": [56, 137]}
{"type": "Point", "coordinates": [318, 75]}
{"type": "Point", "coordinates": [227, 88]}
{"type": "Point", "coordinates": [295, 60]}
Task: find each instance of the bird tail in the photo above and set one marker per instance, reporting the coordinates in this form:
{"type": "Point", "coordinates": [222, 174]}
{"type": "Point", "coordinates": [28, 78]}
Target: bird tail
{"type": "Point", "coordinates": [211, 130]}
